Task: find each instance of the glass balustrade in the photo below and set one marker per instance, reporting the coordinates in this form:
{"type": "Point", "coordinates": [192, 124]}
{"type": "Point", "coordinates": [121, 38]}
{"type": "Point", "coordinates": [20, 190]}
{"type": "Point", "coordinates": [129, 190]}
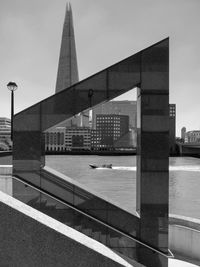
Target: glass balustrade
{"type": "Point", "coordinates": [122, 243]}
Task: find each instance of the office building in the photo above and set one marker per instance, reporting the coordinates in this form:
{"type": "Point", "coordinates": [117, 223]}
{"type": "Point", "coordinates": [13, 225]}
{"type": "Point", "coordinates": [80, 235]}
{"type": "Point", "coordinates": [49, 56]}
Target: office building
{"type": "Point", "coordinates": [172, 128]}
{"type": "Point", "coordinates": [55, 139]}
{"type": "Point", "coordinates": [109, 128]}
{"type": "Point", "coordinates": [67, 66]}
{"type": "Point", "coordinates": [67, 73]}
{"type": "Point", "coordinates": [125, 107]}
{"type": "Point", "coordinates": [78, 138]}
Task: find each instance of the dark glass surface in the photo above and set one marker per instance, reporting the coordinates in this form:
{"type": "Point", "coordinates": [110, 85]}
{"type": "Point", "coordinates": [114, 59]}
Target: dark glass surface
{"type": "Point", "coordinates": [125, 75]}
{"type": "Point", "coordinates": [153, 146]}
{"type": "Point", "coordinates": [89, 203]}
{"type": "Point", "coordinates": [84, 223]}
{"type": "Point", "coordinates": [148, 70]}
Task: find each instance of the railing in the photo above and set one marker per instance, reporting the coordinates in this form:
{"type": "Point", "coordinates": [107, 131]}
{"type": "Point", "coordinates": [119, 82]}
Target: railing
{"type": "Point", "coordinates": [62, 211]}
{"type": "Point", "coordinates": [68, 190]}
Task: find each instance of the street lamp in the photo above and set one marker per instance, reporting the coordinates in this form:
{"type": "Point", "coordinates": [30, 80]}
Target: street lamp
{"type": "Point", "coordinates": [12, 86]}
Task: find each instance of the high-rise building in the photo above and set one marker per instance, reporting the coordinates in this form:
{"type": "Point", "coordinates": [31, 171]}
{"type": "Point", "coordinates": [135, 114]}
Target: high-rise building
{"type": "Point", "coordinates": [109, 128]}
{"type": "Point", "coordinates": [67, 66]}
{"type": "Point", "coordinates": [125, 107]}
{"type": "Point", "coordinates": [128, 108]}
{"type": "Point", "coordinates": [66, 76]}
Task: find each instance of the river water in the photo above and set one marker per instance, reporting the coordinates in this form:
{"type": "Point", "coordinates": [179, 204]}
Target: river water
{"type": "Point", "coordinates": [119, 183]}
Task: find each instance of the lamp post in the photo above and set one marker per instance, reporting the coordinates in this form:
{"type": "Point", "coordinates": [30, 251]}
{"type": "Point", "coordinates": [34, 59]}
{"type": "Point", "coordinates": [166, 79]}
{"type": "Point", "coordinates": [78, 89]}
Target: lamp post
{"type": "Point", "coordinates": [12, 86]}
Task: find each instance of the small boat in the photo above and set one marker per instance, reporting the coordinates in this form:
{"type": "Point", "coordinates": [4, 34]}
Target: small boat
{"type": "Point", "coordinates": [106, 166]}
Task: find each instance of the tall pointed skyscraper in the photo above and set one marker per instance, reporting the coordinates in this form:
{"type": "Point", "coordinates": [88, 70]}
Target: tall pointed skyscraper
{"type": "Point", "coordinates": [67, 66]}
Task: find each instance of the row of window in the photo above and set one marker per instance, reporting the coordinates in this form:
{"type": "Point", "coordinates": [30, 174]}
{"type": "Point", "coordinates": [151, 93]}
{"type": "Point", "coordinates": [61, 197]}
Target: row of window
{"type": "Point", "coordinates": [77, 131]}
{"type": "Point", "coordinates": [54, 138]}
{"type": "Point", "coordinates": [193, 134]}
{"type": "Point", "coordinates": [58, 138]}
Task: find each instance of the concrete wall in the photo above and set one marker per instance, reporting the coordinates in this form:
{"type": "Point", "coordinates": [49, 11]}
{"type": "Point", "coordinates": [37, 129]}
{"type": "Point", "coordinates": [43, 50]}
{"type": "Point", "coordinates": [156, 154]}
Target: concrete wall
{"type": "Point", "coordinates": [184, 241]}
{"type": "Point", "coordinates": [5, 169]}
{"type": "Point", "coordinates": [6, 178]}
{"type": "Point", "coordinates": [6, 184]}
{"type": "Point", "coordinates": [30, 238]}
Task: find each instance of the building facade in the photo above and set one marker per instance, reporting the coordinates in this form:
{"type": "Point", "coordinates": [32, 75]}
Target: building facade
{"type": "Point", "coordinates": [78, 138]}
{"type": "Point", "coordinates": [109, 128]}
{"type": "Point", "coordinates": [5, 134]}
{"type": "Point", "coordinates": [183, 133]}
{"type": "Point", "coordinates": [172, 128]}
{"type": "Point", "coordinates": [192, 136]}
{"type": "Point", "coordinates": [55, 139]}
{"type": "Point", "coordinates": [126, 107]}
{"type": "Point", "coordinates": [67, 66]}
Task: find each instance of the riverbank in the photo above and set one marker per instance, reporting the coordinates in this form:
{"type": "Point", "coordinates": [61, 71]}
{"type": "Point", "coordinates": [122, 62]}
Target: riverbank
{"type": "Point", "coordinates": [98, 153]}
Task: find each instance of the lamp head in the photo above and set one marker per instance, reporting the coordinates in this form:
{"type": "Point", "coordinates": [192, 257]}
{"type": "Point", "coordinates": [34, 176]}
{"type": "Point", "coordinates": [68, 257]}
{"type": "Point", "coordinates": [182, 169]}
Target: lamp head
{"type": "Point", "coordinates": [12, 86]}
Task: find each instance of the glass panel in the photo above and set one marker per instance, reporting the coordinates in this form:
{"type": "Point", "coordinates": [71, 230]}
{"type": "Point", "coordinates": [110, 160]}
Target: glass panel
{"type": "Point", "coordinates": [89, 203]}
{"type": "Point", "coordinates": [153, 135]}
{"type": "Point", "coordinates": [124, 75]}
{"type": "Point", "coordinates": [26, 194]}
{"type": "Point", "coordinates": [85, 224]}
{"type": "Point", "coordinates": [148, 70]}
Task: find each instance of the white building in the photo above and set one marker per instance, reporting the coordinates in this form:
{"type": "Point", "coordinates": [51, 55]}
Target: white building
{"type": "Point", "coordinates": [55, 139]}
{"type": "Point", "coordinates": [192, 137]}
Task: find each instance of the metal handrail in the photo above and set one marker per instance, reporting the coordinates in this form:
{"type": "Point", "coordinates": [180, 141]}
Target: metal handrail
{"type": "Point", "coordinates": [91, 217]}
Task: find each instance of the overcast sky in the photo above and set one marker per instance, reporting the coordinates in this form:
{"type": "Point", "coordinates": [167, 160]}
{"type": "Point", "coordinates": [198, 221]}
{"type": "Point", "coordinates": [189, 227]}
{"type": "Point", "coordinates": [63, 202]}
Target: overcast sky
{"type": "Point", "coordinates": [106, 31]}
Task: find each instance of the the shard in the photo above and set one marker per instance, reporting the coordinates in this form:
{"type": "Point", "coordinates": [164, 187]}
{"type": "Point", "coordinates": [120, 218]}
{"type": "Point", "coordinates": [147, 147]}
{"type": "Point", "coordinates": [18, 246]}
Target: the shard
{"type": "Point", "coordinates": [67, 66]}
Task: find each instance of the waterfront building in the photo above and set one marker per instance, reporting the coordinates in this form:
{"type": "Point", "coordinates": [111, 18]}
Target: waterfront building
{"type": "Point", "coordinates": [124, 107]}
{"type": "Point", "coordinates": [109, 129]}
{"type": "Point", "coordinates": [95, 140]}
{"type": "Point", "coordinates": [172, 128]}
{"type": "Point", "coordinates": [183, 133]}
{"type": "Point", "coordinates": [127, 142]}
{"type": "Point", "coordinates": [192, 136]}
{"type": "Point", "coordinates": [5, 133]}
{"type": "Point", "coordinates": [78, 138]}
{"type": "Point", "coordinates": [55, 139]}
{"type": "Point", "coordinates": [60, 139]}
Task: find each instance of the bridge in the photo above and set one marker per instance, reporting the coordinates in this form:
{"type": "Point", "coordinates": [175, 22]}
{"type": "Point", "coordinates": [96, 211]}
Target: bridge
{"type": "Point", "coordinates": [188, 149]}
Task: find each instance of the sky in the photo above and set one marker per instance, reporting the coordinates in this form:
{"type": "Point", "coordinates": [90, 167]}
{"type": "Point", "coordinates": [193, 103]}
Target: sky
{"type": "Point", "coordinates": [106, 31]}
